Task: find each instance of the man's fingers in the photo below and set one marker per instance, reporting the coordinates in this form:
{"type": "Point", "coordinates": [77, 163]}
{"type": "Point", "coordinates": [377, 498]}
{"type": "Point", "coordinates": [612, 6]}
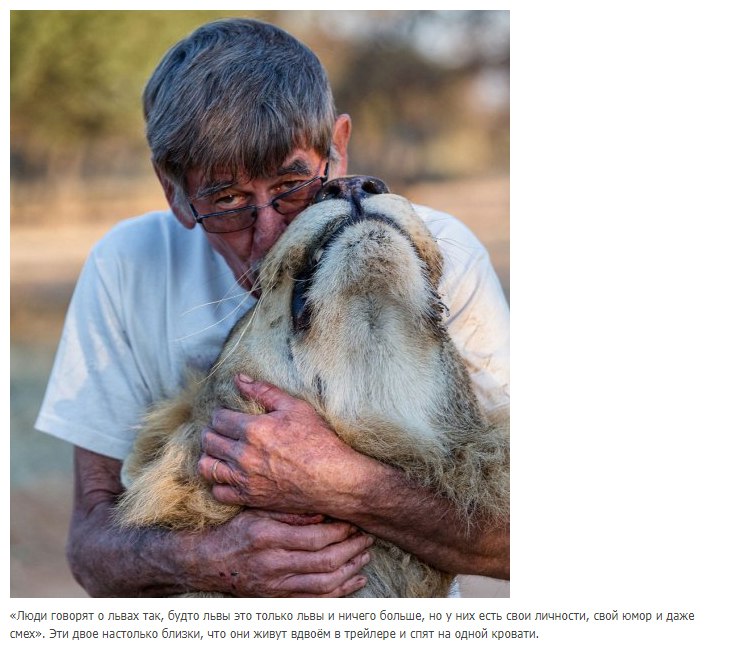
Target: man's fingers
{"type": "Point", "coordinates": [315, 537]}
{"type": "Point", "coordinates": [212, 469]}
{"type": "Point", "coordinates": [268, 395]}
{"type": "Point", "coordinates": [232, 424]}
{"type": "Point", "coordinates": [294, 519]}
{"type": "Point", "coordinates": [342, 581]}
{"type": "Point", "coordinates": [280, 559]}
{"type": "Point", "coordinates": [350, 587]}
{"type": "Point", "coordinates": [332, 558]}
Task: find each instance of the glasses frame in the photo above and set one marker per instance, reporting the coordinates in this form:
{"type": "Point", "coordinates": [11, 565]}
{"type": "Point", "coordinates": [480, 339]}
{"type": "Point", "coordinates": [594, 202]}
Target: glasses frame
{"type": "Point", "coordinates": [253, 209]}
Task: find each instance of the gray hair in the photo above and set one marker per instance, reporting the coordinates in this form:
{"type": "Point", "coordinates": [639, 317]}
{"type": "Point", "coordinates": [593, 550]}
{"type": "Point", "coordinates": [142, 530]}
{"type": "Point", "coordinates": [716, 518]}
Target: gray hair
{"type": "Point", "coordinates": [237, 95]}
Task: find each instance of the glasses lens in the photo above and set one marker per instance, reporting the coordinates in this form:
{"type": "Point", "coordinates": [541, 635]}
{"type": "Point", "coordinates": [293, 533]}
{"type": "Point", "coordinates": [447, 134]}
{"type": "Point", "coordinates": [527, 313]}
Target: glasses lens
{"type": "Point", "coordinates": [229, 222]}
{"type": "Point", "coordinates": [297, 199]}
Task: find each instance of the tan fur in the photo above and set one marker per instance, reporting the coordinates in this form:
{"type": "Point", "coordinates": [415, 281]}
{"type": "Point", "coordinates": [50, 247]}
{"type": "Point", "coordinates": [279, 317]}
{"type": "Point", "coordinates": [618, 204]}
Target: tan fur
{"type": "Point", "coordinates": [374, 360]}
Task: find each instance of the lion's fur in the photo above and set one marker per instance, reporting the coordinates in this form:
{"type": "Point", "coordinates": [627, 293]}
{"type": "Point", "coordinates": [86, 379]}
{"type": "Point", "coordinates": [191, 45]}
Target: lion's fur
{"type": "Point", "coordinates": [374, 360]}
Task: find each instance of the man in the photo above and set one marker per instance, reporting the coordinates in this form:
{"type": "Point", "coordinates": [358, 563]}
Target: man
{"type": "Point", "coordinates": [239, 114]}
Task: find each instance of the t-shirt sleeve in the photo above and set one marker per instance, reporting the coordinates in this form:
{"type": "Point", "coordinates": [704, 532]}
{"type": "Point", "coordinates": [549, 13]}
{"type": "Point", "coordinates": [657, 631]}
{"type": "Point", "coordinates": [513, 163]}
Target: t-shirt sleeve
{"type": "Point", "coordinates": [478, 319]}
{"type": "Point", "coordinates": [96, 393]}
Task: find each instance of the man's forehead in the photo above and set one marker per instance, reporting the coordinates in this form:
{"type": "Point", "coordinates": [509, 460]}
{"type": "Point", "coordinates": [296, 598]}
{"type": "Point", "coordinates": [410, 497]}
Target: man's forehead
{"type": "Point", "coordinates": [201, 183]}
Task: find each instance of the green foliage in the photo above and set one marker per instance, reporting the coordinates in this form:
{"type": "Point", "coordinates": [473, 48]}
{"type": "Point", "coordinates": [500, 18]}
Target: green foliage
{"type": "Point", "coordinates": [76, 77]}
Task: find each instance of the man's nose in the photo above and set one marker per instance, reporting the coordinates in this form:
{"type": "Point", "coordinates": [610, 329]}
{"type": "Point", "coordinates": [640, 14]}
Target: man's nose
{"type": "Point", "coordinates": [351, 188]}
{"type": "Point", "coordinates": [268, 226]}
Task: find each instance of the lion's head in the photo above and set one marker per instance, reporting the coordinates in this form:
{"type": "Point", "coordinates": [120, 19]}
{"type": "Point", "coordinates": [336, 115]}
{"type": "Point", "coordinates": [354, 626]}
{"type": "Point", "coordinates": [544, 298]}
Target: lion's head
{"type": "Point", "coordinates": [349, 316]}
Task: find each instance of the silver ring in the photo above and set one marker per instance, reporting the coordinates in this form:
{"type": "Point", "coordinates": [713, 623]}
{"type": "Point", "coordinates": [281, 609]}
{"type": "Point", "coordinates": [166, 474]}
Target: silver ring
{"type": "Point", "coordinates": [215, 466]}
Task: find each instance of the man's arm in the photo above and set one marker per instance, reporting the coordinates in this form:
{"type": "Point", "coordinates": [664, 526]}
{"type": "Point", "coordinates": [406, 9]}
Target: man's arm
{"type": "Point", "coordinates": [255, 554]}
{"type": "Point", "coordinates": [289, 460]}
{"type": "Point", "coordinates": [384, 503]}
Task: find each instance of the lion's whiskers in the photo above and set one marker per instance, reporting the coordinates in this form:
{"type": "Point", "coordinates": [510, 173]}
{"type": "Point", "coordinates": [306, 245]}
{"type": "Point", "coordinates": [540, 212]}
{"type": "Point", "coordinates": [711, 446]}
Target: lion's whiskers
{"type": "Point", "coordinates": [212, 325]}
{"type": "Point", "coordinates": [454, 244]}
{"type": "Point", "coordinates": [220, 301]}
{"type": "Point", "coordinates": [254, 313]}
{"type": "Point", "coordinates": [241, 297]}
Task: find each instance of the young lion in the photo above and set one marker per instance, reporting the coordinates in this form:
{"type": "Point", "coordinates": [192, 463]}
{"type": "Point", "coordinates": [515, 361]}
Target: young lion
{"type": "Point", "coordinates": [350, 320]}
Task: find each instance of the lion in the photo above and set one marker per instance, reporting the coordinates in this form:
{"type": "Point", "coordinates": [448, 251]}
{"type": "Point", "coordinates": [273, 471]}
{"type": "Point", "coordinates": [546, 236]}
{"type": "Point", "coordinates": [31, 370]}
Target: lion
{"type": "Point", "coordinates": [349, 319]}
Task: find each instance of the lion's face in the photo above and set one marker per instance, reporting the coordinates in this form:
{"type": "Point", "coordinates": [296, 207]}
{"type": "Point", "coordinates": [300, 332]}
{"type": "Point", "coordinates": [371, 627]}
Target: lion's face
{"type": "Point", "coordinates": [348, 313]}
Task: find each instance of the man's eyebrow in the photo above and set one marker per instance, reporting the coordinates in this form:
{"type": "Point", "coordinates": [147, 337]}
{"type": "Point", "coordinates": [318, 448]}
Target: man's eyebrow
{"type": "Point", "coordinates": [299, 166]}
{"type": "Point", "coordinates": [296, 166]}
{"type": "Point", "coordinates": [214, 187]}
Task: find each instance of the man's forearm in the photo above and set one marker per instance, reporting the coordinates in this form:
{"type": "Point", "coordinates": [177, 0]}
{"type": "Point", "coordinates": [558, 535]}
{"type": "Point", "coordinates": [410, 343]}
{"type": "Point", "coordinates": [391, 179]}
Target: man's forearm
{"type": "Point", "coordinates": [106, 560]}
{"type": "Point", "coordinates": [109, 562]}
{"type": "Point", "coordinates": [385, 503]}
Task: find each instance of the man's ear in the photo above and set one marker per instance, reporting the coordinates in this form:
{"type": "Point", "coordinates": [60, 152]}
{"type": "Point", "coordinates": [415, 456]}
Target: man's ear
{"type": "Point", "coordinates": [340, 140]}
{"type": "Point", "coordinates": [171, 194]}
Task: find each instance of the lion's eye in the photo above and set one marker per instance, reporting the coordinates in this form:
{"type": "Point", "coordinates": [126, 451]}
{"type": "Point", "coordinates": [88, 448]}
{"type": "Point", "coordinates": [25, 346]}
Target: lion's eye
{"type": "Point", "coordinates": [301, 312]}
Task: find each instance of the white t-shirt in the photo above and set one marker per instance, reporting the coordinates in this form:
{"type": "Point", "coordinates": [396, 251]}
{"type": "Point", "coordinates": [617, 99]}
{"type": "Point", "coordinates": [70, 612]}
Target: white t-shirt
{"type": "Point", "coordinates": [154, 299]}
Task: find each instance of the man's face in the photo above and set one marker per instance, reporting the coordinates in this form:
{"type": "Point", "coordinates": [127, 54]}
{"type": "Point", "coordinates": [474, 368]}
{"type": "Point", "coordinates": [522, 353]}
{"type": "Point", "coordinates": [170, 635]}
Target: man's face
{"type": "Point", "coordinates": [243, 250]}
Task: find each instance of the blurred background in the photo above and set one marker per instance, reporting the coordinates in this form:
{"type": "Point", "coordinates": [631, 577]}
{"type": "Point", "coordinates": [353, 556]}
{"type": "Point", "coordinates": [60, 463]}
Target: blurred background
{"type": "Point", "coordinates": [428, 92]}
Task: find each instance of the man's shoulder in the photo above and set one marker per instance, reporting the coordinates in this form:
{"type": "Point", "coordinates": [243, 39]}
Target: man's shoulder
{"type": "Point", "coordinates": [155, 238]}
{"type": "Point", "coordinates": [444, 225]}
{"type": "Point", "coordinates": [460, 246]}
{"type": "Point", "coordinates": [134, 234]}
{"type": "Point", "coordinates": [433, 216]}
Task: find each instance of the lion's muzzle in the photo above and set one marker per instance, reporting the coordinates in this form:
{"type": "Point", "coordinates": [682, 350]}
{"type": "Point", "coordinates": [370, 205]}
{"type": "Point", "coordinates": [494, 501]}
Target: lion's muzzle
{"type": "Point", "coordinates": [353, 189]}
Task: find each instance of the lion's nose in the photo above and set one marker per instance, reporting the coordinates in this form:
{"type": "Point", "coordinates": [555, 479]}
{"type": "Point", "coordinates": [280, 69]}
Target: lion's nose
{"type": "Point", "coordinates": [351, 188]}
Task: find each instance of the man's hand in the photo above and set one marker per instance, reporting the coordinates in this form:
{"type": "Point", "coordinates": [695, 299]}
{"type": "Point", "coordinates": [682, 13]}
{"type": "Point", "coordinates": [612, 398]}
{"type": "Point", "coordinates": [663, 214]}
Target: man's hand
{"type": "Point", "coordinates": [268, 554]}
{"type": "Point", "coordinates": [287, 460]}
{"type": "Point", "coordinates": [257, 553]}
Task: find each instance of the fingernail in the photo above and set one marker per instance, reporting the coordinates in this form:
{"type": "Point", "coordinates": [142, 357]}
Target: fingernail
{"type": "Point", "coordinates": [365, 558]}
{"type": "Point", "coordinates": [371, 541]}
{"type": "Point", "coordinates": [245, 379]}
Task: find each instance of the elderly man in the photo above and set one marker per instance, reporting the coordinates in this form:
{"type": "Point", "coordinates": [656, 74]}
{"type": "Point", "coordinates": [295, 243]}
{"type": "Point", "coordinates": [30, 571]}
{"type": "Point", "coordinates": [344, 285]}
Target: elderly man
{"type": "Point", "coordinates": [243, 132]}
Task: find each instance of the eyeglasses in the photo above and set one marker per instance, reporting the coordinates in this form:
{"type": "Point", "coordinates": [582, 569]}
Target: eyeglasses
{"type": "Point", "coordinates": [287, 204]}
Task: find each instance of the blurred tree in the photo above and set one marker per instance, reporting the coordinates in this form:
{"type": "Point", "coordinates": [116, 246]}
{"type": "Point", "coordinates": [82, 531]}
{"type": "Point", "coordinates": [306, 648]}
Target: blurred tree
{"type": "Point", "coordinates": [428, 91]}
{"type": "Point", "coordinates": [76, 79]}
